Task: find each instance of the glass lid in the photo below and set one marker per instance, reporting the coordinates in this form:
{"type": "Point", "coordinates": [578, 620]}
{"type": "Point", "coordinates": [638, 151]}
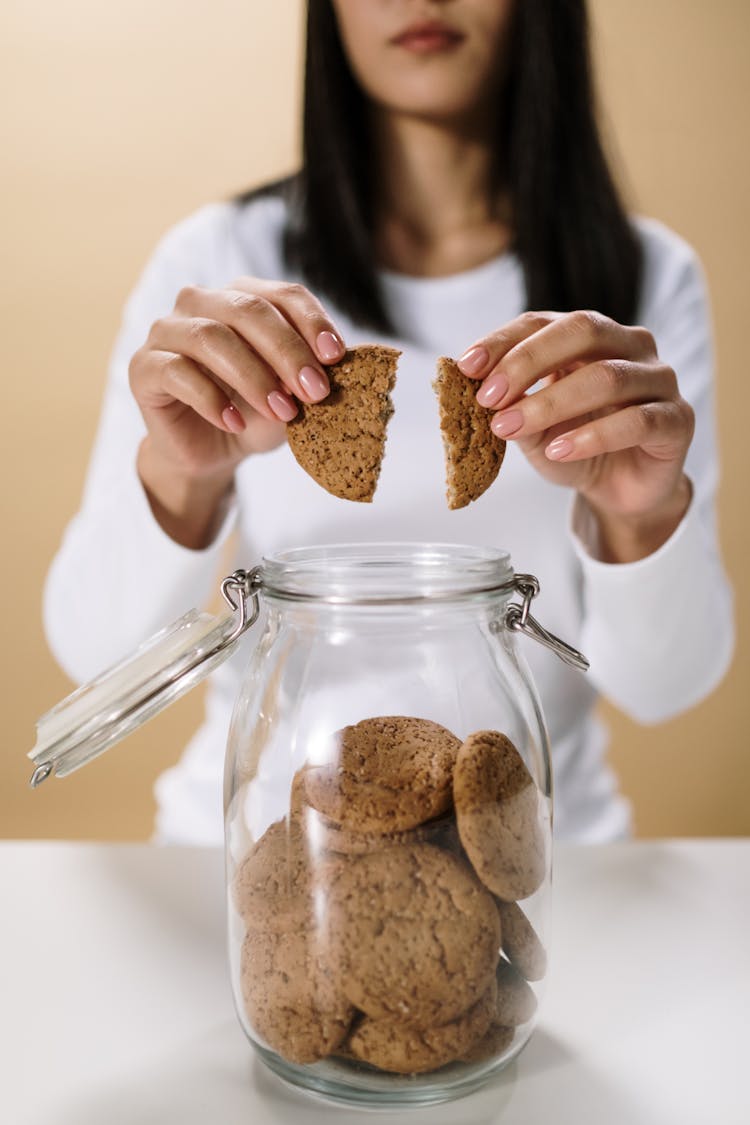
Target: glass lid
{"type": "Point", "coordinates": [110, 707]}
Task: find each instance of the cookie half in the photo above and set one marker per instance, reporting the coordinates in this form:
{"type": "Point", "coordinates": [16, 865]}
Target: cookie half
{"type": "Point", "coordinates": [473, 454]}
{"type": "Point", "coordinates": [340, 441]}
{"type": "Point", "coordinates": [498, 812]}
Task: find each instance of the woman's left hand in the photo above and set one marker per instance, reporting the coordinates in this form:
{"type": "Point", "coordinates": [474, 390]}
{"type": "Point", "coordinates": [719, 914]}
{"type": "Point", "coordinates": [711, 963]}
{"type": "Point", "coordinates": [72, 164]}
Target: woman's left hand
{"type": "Point", "coordinates": [605, 417]}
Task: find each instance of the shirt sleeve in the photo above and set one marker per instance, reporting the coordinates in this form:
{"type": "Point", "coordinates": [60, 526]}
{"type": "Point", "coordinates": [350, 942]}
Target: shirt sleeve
{"type": "Point", "coordinates": [659, 632]}
{"type": "Point", "coordinates": [117, 577]}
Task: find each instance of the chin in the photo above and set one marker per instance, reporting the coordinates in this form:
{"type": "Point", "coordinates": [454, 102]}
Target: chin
{"type": "Point", "coordinates": [440, 111]}
{"type": "Point", "coordinates": [427, 98]}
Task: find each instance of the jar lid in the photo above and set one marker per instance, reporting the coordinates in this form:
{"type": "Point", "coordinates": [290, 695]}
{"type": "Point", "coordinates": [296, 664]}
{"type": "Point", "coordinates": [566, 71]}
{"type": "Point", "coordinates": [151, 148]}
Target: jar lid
{"type": "Point", "coordinates": [113, 705]}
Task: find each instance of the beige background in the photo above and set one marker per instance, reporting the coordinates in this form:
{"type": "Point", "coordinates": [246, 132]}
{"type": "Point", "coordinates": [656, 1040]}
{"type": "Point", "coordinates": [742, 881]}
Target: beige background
{"type": "Point", "coordinates": [117, 121]}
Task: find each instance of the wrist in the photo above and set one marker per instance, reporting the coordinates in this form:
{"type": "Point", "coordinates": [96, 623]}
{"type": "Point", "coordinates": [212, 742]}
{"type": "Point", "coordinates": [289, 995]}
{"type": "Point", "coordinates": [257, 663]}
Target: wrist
{"type": "Point", "coordinates": [188, 507]}
{"type": "Point", "coordinates": [624, 538]}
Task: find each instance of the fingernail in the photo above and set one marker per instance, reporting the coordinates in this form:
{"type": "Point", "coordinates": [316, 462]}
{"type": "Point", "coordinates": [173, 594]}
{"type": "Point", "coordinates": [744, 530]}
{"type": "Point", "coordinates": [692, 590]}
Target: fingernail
{"type": "Point", "coordinates": [232, 419]}
{"type": "Point", "coordinates": [329, 346]}
{"type": "Point", "coordinates": [472, 361]}
{"type": "Point", "coordinates": [283, 407]}
{"type": "Point", "coordinates": [314, 382]}
{"type": "Point", "coordinates": [559, 448]}
{"type": "Point", "coordinates": [506, 424]}
{"type": "Point", "coordinates": [492, 390]}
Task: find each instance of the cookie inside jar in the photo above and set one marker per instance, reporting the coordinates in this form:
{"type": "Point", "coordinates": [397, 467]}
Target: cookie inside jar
{"type": "Point", "coordinates": [380, 916]}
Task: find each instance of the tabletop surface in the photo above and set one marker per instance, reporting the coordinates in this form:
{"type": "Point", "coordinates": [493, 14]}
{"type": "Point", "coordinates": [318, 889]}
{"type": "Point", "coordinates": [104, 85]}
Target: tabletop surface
{"type": "Point", "coordinates": [115, 1004]}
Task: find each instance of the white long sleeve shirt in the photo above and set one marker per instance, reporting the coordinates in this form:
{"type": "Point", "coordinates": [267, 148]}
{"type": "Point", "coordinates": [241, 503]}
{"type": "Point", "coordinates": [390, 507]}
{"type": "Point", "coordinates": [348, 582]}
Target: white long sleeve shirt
{"type": "Point", "coordinates": [658, 632]}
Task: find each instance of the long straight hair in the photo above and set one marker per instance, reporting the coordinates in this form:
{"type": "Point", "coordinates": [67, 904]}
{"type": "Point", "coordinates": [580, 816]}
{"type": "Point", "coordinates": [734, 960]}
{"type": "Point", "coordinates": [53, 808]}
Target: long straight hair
{"type": "Point", "coordinates": [575, 243]}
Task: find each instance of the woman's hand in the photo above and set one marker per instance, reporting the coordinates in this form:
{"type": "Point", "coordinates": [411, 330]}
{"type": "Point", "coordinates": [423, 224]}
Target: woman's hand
{"type": "Point", "coordinates": [217, 380]}
{"type": "Point", "coordinates": [605, 417]}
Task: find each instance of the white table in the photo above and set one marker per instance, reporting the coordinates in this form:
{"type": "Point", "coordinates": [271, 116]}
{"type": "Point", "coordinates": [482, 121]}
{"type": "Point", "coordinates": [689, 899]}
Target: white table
{"type": "Point", "coordinates": [115, 1006]}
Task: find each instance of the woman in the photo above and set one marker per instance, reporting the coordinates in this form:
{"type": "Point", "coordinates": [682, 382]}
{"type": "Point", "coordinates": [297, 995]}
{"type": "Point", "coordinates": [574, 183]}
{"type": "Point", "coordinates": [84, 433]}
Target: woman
{"type": "Point", "coordinates": [453, 191]}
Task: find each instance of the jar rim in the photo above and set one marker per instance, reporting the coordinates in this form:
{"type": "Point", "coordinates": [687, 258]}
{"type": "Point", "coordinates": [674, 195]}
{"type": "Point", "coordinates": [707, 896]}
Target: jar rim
{"type": "Point", "coordinates": [393, 573]}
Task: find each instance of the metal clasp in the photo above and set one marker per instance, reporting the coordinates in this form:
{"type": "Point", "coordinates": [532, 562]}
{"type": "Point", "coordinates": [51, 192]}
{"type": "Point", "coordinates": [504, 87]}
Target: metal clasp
{"type": "Point", "coordinates": [246, 584]}
{"type": "Point", "coordinates": [519, 620]}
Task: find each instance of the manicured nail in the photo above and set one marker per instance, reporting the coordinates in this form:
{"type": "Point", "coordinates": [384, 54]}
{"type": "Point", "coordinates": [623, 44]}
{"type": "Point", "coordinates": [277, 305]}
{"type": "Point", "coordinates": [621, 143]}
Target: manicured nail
{"type": "Point", "coordinates": [492, 390]}
{"type": "Point", "coordinates": [506, 424]}
{"type": "Point", "coordinates": [314, 382]}
{"type": "Point", "coordinates": [283, 407]}
{"type": "Point", "coordinates": [329, 346]}
{"type": "Point", "coordinates": [473, 361]}
{"type": "Point", "coordinates": [559, 448]}
{"type": "Point", "coordinates": [232, 419]}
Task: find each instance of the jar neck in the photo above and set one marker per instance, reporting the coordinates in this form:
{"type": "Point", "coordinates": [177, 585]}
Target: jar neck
{"type": "Point", "coordinates": [387, 574]}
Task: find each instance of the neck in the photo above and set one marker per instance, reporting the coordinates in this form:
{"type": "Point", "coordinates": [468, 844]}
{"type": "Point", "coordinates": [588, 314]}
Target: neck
{"type": "Point", "coordinates": [436, 211]}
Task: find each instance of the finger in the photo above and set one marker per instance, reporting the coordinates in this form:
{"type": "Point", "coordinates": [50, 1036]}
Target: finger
{"type": "Point", "coordinates": [304, 311]}
{"type": "Point", "coordinates": [266, 331]}
{"type": "Point", "coordinates": [661, 429]}
{"type": "Point", "coordinates": [173, 378]}
{"type": "Point", "coordinates": [572, 339]}
{"type": "Point", "coordinates": [225, 355]}
{"type": "Point", "coordinates": [597, 386]}
{"type": "Point", "coordinates": [477, 361]}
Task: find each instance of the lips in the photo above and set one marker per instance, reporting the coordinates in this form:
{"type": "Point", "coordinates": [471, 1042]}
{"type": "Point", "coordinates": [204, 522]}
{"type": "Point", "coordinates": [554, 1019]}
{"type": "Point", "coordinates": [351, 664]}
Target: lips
{"type": "Point", "coordinates": [423, 38]}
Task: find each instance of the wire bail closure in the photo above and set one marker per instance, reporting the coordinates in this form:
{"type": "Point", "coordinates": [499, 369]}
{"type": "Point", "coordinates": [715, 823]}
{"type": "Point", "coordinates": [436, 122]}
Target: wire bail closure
{"type": "Point", "coordinates": [246, 584]}
{"type": "Point", "coordinates": [519, 620]}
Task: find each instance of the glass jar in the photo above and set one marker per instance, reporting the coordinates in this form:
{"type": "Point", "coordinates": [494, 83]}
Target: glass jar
{"type": "Point", "coordinates": [388, 824]}
{"type": "Point", "coordinates": [388, 804]}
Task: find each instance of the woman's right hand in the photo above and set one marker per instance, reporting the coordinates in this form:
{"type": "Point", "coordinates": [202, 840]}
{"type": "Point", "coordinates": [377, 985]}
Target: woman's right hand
{"type": "Point", "coordinates": [217, 380]}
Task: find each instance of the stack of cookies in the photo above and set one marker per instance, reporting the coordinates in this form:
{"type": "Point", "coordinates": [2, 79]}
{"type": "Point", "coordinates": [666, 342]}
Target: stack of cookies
{"type": "Point", "coordinates": [381, 916]}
